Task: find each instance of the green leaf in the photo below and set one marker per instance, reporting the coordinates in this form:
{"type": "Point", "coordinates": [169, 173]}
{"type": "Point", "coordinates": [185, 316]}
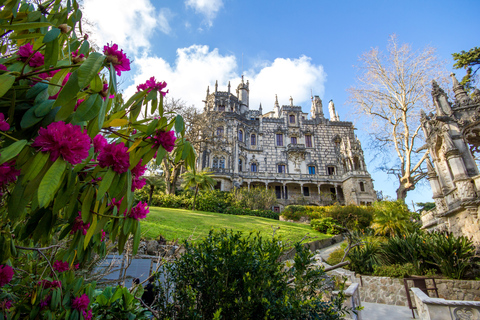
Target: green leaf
{"type": "Point", "coordinates": [51, 182]}
{"type": "Point", "coordinates": [96, 84]}
{"type": "Point", "coordinates": [25, 26]}
{"type": "Point", "coordinates": [51, 35]}
{"type": "Point", "coordinates": [90, 232]}
{"type": "Point", "coordinates": [6, 82]}
{"type": "Point", "coordinates": [85, 48]}
{"type": "Point", "coordinates": [52, 49]}
{"type": "Point", "coordinates": [179, 124]}
{"type": "Point", "coordinates": [89, 109]}
{"type": "Point", "coordinates": [29, 119]}
{"type": "Point", "coordinates": [136, 239]}
{"type": "Point", "coordinates": [57, 79]}
{"type": "Point", "coordinates": [113, 78]}
{"type": "Point", "coordinates": [89, 68]}
{"type": "Point", "coordinates": [160, 155]}
{"type": "Point", "coordinates": [67, 98]}
{"type": "Point", "coordinates": [105, 183]}
{"type": "Point", "coordinates": [26, 36]}
{"type": "Point", "coordinates": [11, 151]}
{"type": "Point", "coordinates": [87, 203]}
{"type": "Point", "coordinates": [36, 166]}
{"type": "Point", "coordinates": [42, 109]}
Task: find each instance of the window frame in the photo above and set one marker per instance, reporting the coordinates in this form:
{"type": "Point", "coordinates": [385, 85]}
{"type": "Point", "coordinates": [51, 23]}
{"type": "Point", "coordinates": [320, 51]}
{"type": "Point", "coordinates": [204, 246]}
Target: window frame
{"type": "Point", "coordinates": [253, 139]}
{"type": "Point", "coordinates": [308, 141]}
{"type": "Point", "coordinates": [279, 139]}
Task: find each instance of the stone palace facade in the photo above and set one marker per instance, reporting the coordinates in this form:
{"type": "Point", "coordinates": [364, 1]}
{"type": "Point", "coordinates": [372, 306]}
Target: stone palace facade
{"type": "Point", "coordinates": [453, 138]}
{"type": "Point", "coordinates": [316, 161]}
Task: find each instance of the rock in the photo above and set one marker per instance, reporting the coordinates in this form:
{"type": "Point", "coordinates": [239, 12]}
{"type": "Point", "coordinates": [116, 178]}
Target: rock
{"type": "Point", "coordinates": [153, 247]}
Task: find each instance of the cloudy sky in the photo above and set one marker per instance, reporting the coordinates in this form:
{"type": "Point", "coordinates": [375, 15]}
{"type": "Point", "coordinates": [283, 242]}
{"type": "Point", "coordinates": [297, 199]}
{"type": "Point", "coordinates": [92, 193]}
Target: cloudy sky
{"type": "Point", "coordinates": [288, 48]}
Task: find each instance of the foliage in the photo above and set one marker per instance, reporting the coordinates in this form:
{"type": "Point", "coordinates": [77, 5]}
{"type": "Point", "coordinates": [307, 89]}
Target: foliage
{"type": "Point", "coordinates": [57, 96]}
{"type": "Point", "coordinates": [337, 255]}
{"type": "Point", "coordinates": [255, 198]}
{"type": "Point", "coordinates": [199, 180]}
{"type": "Point", "coordinates": [364, 258]}
{"type": "Point", "coordinates": [470, 61]}
{"type": "Point", "coordinates": [392, 218]}
{"type": "Point", "coordinates": [392, 89]}
{"type": "Point", "coordinates": [425, 206]}
{"type": "Point", "coordinates": [325, 225]}
{"type": "Point", "coordinates": [394, 270]}
{"type": "Point", "coordinates": [240, 277]}
{"type": "Point", "coordinates": [294, 212]}
{"type": "Point", "coordinates": [118, 304]}
{"type": "Point", "coordinates": [257, 213]}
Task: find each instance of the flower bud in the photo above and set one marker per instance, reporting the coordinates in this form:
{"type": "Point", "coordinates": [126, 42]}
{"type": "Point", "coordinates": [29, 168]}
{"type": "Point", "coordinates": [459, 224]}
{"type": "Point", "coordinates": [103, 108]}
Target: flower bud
{"type": "Point", "coordinates": [64, 28]}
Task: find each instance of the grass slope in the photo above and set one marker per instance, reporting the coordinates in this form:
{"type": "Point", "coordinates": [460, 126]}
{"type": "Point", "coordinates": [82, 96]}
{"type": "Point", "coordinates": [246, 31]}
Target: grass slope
{"type": "Point", "coordinates": [179, 224]}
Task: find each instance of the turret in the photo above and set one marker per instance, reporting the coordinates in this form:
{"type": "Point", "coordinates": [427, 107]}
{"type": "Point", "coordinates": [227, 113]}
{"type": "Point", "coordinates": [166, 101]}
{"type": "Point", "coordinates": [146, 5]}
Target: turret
{"type": "Point", "coordinates": [440, 100]}
{"type": "Point", "coordinates": [242, 95]}
{"type": "Point", "coordinates": [317, 108]}
{"type": "Point", "coordinates": [331, 111]}
{"type": "Point", "coordinates": [461, 95]}
{"type": "Point", "coordinates": [291, 101]}
{"type": "Point", "coordinates": [276, 108]}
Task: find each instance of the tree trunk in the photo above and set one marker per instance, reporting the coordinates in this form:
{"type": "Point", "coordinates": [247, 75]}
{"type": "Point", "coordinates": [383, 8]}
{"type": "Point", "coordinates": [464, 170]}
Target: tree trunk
{"type": "Point", "coordinates": [403, 189]}
{"type": "Point", "coordinates": [195, 197]}
{"type": "Point", "coordinates": [152, 188]}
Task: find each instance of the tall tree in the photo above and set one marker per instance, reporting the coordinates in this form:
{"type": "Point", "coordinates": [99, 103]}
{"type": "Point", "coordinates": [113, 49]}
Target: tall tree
{"type": "Point", "coordinates": [199, 180]}
{"type": "Point", "coordinates": [392, 89]}
{"type": "Point", "coordinates": [470, 61]}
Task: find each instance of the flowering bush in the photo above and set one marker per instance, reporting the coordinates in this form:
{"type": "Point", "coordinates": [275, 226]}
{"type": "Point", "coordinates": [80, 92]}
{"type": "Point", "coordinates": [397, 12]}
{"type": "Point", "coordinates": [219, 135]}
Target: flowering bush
{"type": "Point", "coordinates": [70, 145]}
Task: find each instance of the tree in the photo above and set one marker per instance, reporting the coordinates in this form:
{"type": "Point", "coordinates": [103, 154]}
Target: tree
{"type": "Point", "coordinates": [256, 198]}
{"type": "Point", "coordinates": [470, 61]}
{"type": "Point", "coordinates": [391, 218]}
{"type": "Point", "coordinates": [200, 180]}
{"type": "Point", "coordinates": [392, 90]}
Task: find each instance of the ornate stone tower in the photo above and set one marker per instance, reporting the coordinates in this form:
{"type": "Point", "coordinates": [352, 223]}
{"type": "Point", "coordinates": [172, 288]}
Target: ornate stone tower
{"type": "Point", "coordinates": [242, 94]}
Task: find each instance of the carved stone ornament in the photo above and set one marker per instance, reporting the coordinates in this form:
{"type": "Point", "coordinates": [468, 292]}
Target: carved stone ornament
{"type": "Point", "coordinates": [465, 313]}
{"type": "Point", "coordinates": [440, 205]}
{"type": "Point", "coordinates": [466, 190]}
{"type": "Point", "coordinates": [472, 135]}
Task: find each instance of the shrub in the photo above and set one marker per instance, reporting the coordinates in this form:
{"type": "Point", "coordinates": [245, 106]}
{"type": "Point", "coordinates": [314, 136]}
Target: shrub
{"type": "Point", "coordinates": [118, 303]}
{"type": "Point", "coordinates": [326, 225]}
{"type": "Point", "coordinates": [337, 255]}
{"type": "Point", "coordinates": [394, 270]}
{"type": "Point", "coordinates": [392, 218]}
{"type": "Point", "coordinates": [238, 277]}
{"type": "Point", "coordinates": [254, 198]}
{"type": "Point", "coordinates": [257, 213]}
{"type": "Point", "coordinates": [364, 258]}
{"type": "Point", "coordinates": [214, 201]}
{"type": "Point", "coordinates": [294, 212]}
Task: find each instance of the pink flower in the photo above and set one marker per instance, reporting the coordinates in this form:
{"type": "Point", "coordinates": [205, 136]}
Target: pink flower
{"type": "Point", "coordinates": [99, 142]}
{"type": "Point", "coordinates": [115, 156]}
{"type": "Point", "coordinates": [137, 172]}
{"type": "Point", "coordinates": [87, 316]}
{"type": "Point", "coordinates": [37, 60]}
{"type": "Point", "coordinates": [151, 84]}
{"type": "Point", "coordinates": [60, 266]}
{"type": "Point", "coordinates": [117, 58]}
{"type": "Point", "coordinates": [116, 203]}
{"type": "Point", "coordinates": [4, 126]}
{"type": "Point", "coordinates": [103, 236]}
{"type": "Point", "coordinates": [8, 173]}
{"type": "Point", "coordinates": [6, 304]}
{"type": "Point", "coordinates": [3, 67]}
{"type": "Point", "coordinates": [46, 76]}
{"type": "Point", "coordinates": [76, 58]}
{"type": "Point", "coordinates": [80, 225]}
{"type": "Point", "coordinates": [104, 92]}
{"type": "Point", "coordinates": [26, 51]}
{"type": "Point", "coordinates": [76, 266]}
{"type": "Point", "coordinates": [81, 303]}
{"type": "Point", "coordinates": [46, 284]}
{"type": "Point", "coordinates": [64, 140]}
{"type": "Point", "coordinates": [165, 139]}
{"type": "Point", "coordinates": [6, 274]}
{"type": "Point", "coordinates": [45, 302]}
{"type": "Point", "coordinates": [140, 211]}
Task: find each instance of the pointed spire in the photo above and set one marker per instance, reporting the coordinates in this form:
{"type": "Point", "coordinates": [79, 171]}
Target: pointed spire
{"type": "Point", "coordinates": [276, 101]}
{"type": "Point", "coordinates": [228, 86]}
{"type": "Point", "coordinates": [461, 95]}
{"type": "Point", "coordinates": [216, 86]}
{"type": "Point", "coordinates": [208, 90]}
{"type": "Point", "coordinates": [331, 111]}
{"type": "Point", "coordinates": [260, 108]}
{"type": "Point", "coordinates": [291, 101]}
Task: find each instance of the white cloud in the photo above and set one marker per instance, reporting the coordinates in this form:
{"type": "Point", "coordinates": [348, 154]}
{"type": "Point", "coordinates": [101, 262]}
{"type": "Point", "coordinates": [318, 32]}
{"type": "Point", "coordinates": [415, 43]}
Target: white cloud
{"type": "Point", "coordinates": [208, 8]}
{"type": "Point", "coordinates": [197, 67]}
{"type": "Point", "coordinates": [128, 23]}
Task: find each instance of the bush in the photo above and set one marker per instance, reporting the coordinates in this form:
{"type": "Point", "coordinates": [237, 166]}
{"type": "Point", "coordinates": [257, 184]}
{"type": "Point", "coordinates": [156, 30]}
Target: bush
{"type": "Point", "coordinates": [364, 258]}
{"type": "Point", "coordinates": [326, 225]}
{"type": "Point", "coordinates": [254, 198]}
{"type": "Point", "coordinates": [294, 212]}
{"type": "Point", "coordinates": [394, 270]}
{"type": "Point", "coordinates": [337, 255]}
{"type": "Point", "coordinates": [214, 201]}
{"type": "Point", "coordinates": [257, 213]}
{"type": "Point", "coordinates": [238, 277]}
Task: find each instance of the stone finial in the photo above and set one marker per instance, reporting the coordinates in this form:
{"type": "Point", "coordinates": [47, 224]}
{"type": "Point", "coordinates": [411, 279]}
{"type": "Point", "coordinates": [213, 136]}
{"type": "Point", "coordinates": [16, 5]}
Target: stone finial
{"type": "Point", "coordinates": [461, 95]}
{"type": "Point", "coordinates": [208, 90]}
{"type": "Point", "coordinates": [260, 108]}
{"type": "Point", "coordinates": [331, 111]}
{"type": "Point", "coordinates": [216, 86]}
{"type": "Point", "coordinates": [291, 101]}
{"type": "Point", "coordinates": [228, 86]}
{"type": "Point", "coordinates": [436, 90]}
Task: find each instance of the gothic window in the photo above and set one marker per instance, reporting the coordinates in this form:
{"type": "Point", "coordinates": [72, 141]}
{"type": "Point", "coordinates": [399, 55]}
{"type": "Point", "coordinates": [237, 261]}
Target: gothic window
{"type": "Point", "coordinates": [306, 192]}
{"type": "Point", "coordinates": [356, 163]}
{"type": "Point", "coordinates": [222, 163]}
{"type": "Point", "coordinates": [293, 140]}
{"type": "Point", "coordinates": [240, 167]}
{"type": "Point", "coordinates": [281, 168]}
{"type": "Point", "coordinates": [253, 139]}
{"type": "Point", "coordinates": [253, 167]}
{"type": "Point", "coordinates": [311, 169]}
{"type": "Point", "coordinates": [240, 135]}
{"type": "Point", "coordinates": [292, 118]}
{"type": "Point", "coordinates": [330, 171]}
{"type": "Point", "coordinates": [215, 162]}
{"type": "Point", "coordinates": [221, 108]}
{"type": "Point", "coordinates": [220, 131]}
{"type": "Point", "coordinates": [362, 186]}
{"type": "Point", "coordinates": [279, 139]}
{"type": "Point", "coordinates": [308, 141]}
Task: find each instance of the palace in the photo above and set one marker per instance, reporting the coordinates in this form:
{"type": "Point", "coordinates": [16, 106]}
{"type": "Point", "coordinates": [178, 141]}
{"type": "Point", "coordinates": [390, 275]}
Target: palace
{"type": "Point", "coordinates": [316, 161]}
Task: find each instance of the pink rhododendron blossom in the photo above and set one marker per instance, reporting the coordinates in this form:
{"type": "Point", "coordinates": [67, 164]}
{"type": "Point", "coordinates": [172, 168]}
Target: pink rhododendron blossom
{"type": "Point", "coordinates": [140, 211]}
{"type": "Point", "coordinates": [6, 304]}
{"type": "Point", "coordinates": [80, 303]}
{"type": "Point", "coordinates": [137, 172]}
{"type": "Point", "coordinates": [87, 315]}
{"type": "Point", "coordinates": [116, 203]}
{"type": "Point", "coordinates": [4, 126]}
{"type": "Point", "coordinates": [164, 139]}
{"type": "Point", "coordinates": [60, 266]}
{"type": "Point", "coordinates": [80, 225]}
{"type": "Point", "coordinates": [115, 156]}
{"type": "Point", "coordinates": [117, 58]}
{"type": "Point", "coordinates": [6, 274]}
{"type": "Point", "coordinates": [76, 58]}
{"type": "Point", "coordinates": [76, 266]}
{"type": "Point", "coordinates": [99, 142]}
{"type": "Point", "coordinates": [151, 84]}
{"type": "Point", "coordinates": [8, 173]}
{"type": "Point", "coordinates": [66, 140]}
{"type": "Point", "coordinates": [25, 51]}
{"type": "Point", "coordinates": [45, 302]}
{"type": "Point", "coordinates": [37, 60]}
{"type": "Point", "coordinates": [46, 76]}
{"type": "Point", "coordinates": [103, 236]}
{"type": "Point", "coordinates": [104, 92]}
{"type": "Point", "coordinates": [46, 284]}
{"type": "Point", "coordinates": [3, 67]}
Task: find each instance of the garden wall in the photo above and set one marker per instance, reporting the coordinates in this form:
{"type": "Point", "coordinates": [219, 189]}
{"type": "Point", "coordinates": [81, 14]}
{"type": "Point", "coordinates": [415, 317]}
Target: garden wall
{"type": "Point", "coordinates": [392, 291]}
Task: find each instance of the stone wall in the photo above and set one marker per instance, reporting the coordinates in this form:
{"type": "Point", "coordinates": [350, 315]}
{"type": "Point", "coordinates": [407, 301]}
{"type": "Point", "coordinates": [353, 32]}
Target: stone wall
{"type": "Point", "coordinates": [392, 291]}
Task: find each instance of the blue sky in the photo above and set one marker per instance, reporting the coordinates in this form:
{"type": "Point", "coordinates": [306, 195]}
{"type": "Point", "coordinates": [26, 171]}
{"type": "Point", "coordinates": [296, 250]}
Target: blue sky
{"type": "Point", "coordinates": [289, 48]}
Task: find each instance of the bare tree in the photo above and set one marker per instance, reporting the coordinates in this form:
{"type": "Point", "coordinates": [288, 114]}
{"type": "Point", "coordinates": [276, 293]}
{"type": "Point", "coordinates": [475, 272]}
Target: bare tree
{"type": "Point", "coordinates": [392, 89]}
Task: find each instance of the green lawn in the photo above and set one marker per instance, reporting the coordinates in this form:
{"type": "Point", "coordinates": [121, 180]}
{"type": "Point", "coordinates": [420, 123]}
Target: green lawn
{"type": "Point", "coordinates": [181, 224]}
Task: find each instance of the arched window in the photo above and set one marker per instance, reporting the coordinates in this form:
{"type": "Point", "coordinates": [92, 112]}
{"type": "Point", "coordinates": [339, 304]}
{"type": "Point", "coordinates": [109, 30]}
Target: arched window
{"type": "Point", "coordinates": [362, 187]}
{"type": "Point", "coordinates": [253, 167]}
{"type": "Point", "coordinates": [220, 131]}
{"type": "Point", "coordinates": [240, 135]}
{"type": "Point", "coordinates": [222, 163]}
{"type": "Point", "coordinates": [215, 162]}
{"type": "Point", "coordinates": [253, 139]}
{"type": "Point", "coordinates": [240, 167]}
{"type": "Point", "coordinates": [292, 118]}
